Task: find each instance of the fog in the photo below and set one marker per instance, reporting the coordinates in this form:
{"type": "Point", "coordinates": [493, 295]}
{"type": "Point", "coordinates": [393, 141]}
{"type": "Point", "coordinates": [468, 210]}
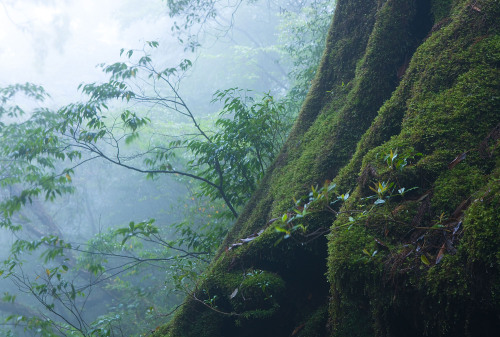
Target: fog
{"type": "Point", "coordinates": [126, 246]}
{"type": "Point", "coordinates": [59, 43]}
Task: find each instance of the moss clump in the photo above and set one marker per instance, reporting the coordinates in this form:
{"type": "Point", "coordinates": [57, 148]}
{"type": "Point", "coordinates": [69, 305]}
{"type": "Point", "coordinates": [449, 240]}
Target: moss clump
{"type": "Point", "coordinates": [352, 274]}
{"type": "Point", "coordinates": [196, 322]}
{"type": "Point", "coordinates": [250, 287]}
{"type": "Point", "coordinates": [481, 226]}
{"type": "Point", "coordinates": [258, 294]}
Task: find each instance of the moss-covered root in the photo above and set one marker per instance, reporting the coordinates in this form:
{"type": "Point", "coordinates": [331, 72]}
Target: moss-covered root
{"type": "Point", "coordinates": [436, 272]}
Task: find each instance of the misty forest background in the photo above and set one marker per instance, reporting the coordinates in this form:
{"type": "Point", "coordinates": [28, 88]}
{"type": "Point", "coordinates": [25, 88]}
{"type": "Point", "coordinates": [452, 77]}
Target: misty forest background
{"type": "Point", "coordinates": [119, 182]}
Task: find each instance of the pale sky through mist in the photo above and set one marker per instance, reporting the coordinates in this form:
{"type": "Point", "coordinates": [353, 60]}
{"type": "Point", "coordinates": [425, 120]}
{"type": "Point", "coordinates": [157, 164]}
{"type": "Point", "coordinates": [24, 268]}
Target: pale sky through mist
{"type": "Point", "coordinates": [58, 43]}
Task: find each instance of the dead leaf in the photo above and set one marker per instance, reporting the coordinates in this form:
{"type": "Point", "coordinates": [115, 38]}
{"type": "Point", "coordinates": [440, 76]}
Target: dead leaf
{"type": "Point", "coordinates": [423, 197]}
{"type": "Point", "coordinates": [235, 245]}
{"type": "Point", "coordinates": [457, 160]}
{"type": "Point", "coordinates": [246, 240]}
{"type": "Point", "coordinates": [474, 7]}
{"type": "Point", "coordinates": [440, 255]}
{"type": "Point", "coordinates": [297, 329]}
{"type": "Point", "coordinates": [251, 238]}
{"type": "Point", "coordinates": [380, 242]}
{"type": "Point", "coordinates": [463, 205]}
{"type": "Point", "coordinates": [233, 294]}
{"type": "Point", "coordinates": [457, 227]}
{"type": "Point", "coordinates": [398, 209]}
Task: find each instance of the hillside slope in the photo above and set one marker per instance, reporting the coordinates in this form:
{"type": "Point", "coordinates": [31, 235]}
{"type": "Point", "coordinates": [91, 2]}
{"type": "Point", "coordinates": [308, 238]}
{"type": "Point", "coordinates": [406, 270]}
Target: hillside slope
{"type": "Point", "coordinates": [404, 116]}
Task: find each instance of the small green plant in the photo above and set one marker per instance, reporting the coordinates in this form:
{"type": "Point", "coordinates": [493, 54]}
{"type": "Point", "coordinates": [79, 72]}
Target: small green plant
{"type": "Point", "coordinates": [381, 189]}
{"type": "Point", "coordinates": [326, 200]}
{"type": "Point", "coordinates": [210, 300]}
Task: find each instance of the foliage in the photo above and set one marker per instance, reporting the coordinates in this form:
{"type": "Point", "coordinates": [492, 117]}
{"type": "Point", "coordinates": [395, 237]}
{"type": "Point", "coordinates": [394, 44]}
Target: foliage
{"type": "Point", "coordinates": [85, 126]}
{"type": "Point", "coordinates": [42, 149]}
{"type": "Point", "coordinates": [248, 137]}
{"type": "Point", "coordinates": [45, 149]}
{"type": "Point", "coordinates": [30, 153]}
{"type": "Point", "coordinates": [303, 35]}
{"type": "Point", "coordinates": [196, 15]}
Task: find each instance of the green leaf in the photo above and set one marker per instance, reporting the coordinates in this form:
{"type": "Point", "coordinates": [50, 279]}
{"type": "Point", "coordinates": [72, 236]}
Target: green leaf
{"type": "Point", "coordinates": [424, 260]}
{"type": "Point", "coordinates": [282, 230]}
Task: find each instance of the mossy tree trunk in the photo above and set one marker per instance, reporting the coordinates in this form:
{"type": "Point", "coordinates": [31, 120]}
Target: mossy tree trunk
{"type": "Point", "coordinates": [419, 78]}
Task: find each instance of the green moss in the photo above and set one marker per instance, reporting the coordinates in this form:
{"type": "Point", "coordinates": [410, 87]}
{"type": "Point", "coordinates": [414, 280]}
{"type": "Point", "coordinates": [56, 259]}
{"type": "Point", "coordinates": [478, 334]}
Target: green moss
{"type": "Point", "coordinates": [456, 186]}
{"type": "Point", "coordinates": [385, 84]}
{"type": "Point", "coordinates": [441, 9]}
{"type": "Point", "coordinates": [258, 294]}
{"type": "Point", "coordinates": [193, 320]}
{"type": "Point", "coordinates": [351, 273]}
{"type": "Point", "coordinates": [315, 325]}
{"type": "Point", "coordinates": [342, 103]}
{"type": "Point", "coordinates": [481, 225]}
{"type": "Point", "coordinates": [446, 110]}
{"type": "Point", "coordinates": [261, 299]}
{"type": "Point", "coordinates": [465, 287]}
